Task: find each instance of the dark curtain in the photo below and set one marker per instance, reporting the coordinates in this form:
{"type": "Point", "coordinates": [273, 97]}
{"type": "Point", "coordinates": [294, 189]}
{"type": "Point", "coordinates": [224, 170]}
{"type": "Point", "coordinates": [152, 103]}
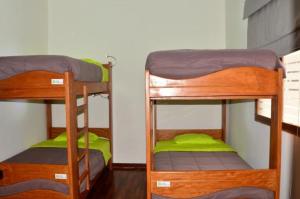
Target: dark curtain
{"type": "Point", "coordinates": [276, 26]}
{"type": "Point", "coordinates": [251, 6]}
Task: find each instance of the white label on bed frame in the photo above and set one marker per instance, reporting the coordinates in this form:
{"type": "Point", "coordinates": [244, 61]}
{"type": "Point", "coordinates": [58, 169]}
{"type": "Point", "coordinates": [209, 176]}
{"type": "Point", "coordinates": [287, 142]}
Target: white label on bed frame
{"type": "Point", "coordinates": [57, 81]}
{"type": "Point", "coordinates": [163, 183]}
{"type": "Point", "coordinates": [61, 176]}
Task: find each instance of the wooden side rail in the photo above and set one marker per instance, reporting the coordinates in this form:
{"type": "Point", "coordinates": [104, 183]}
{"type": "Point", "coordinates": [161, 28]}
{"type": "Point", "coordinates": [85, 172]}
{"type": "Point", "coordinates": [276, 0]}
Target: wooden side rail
{"type": "Point", "coordinates": [188, 184]}
{"type": "Point", "coordinates": [14, 172]}
{"type": "Point", "coordinates": [44, 85]}
{"type": "Point", "coordinates": [93, 88]}
{"type": "Point", "coordinates": [240, 82]}
{"type": "Point", "coordinates": [33, 85]}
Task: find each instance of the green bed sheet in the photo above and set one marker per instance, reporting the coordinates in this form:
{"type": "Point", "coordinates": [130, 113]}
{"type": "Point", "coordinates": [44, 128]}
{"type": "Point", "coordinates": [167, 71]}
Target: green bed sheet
{"type": "Point", "coordinates": [171, 145]}
{"type": "Point", "coordinates": [101, 144]}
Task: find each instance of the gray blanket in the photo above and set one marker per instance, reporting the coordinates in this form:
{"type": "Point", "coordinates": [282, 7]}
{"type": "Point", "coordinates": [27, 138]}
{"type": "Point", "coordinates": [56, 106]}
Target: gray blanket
{"type": "Point", "coordinates": [195, 161]}
{"type": "Point", "coordinates": [184, 64]}
{"type": "Point", "coordinates": [13, 65]}
{"type": "Point", "coordinates": [49, 156]}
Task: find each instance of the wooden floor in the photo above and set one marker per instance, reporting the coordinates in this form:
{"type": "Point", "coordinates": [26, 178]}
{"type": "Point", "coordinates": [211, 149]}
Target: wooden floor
{"type": "Point", "coordinates": [120, 184]}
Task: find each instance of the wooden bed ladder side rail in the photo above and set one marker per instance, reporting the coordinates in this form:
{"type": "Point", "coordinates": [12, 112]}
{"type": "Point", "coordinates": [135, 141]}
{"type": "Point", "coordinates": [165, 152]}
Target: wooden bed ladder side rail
{"type": "Point", "coordinates": [76, 156]}
{"type": "Point", "coordinates": [110, 112]}
{"type": "Point", "coordinates": [148, 135]}
{"type": "Point", "coordinates": [71, 128]}
{"type": "Point", "coordinates": [83, 109]}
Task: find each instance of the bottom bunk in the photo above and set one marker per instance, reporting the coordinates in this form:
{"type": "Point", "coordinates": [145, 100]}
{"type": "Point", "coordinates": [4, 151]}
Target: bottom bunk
{"type": "Point", "coordinates": [206, 168]}
{"type": "Point", "coordinates": [42, 170]}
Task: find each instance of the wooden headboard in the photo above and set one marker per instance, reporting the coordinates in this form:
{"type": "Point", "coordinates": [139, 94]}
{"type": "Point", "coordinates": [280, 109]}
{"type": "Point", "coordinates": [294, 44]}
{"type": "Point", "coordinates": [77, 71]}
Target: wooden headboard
{"type": "Point", "coordinates": [103, 132]}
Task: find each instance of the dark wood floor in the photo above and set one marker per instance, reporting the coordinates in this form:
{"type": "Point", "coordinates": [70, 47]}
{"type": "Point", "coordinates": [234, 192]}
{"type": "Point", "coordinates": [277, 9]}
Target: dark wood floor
{"type": "Point", "coordinates": [120, 184]}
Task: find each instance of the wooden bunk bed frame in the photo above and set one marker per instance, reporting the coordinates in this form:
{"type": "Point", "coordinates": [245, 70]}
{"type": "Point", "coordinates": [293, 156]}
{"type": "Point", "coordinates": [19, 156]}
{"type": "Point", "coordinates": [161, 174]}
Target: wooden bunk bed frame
{"type": "Point", "coordinates": [38, 85]}
{"type": "Point", "coordinates": [233, 83]}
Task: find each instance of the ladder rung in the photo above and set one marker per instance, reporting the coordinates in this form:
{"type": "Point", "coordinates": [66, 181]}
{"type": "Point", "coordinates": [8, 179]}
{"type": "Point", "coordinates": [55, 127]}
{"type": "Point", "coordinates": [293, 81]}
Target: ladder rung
{"type": "Point", "coordinates": [82, 131]}
{"type": "Point", "coordinates": [82, 155]}
{"type": "Point", "coordinates": [83, 176]}
{"type": "Point", "coordinates": [81, 109]}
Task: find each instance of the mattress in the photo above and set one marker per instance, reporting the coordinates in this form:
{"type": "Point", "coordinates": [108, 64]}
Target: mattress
{"type": "Point", "coordinates": [193, 161]}
{"type": "Point", "coordinates": [50, 156]}
{"type": "Point", "coordinates": [83, 71]}
{"type": "Point", "coordinates": [189, 161]}
{"type": "Point", "coordinates": [184, 64]}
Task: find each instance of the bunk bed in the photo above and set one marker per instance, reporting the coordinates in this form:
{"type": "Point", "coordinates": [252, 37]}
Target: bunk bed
{"type": "Point", "coordinates": [210, 75]}
{"type": "Point", "coordinates": [66, 172]}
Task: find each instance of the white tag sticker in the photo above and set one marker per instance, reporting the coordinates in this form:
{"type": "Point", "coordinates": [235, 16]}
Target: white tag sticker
{"type": "Point", "coordinates": [61, 176]}
{"type": "Point", "coordinates": [57, 81]}
{"type": "Point", "coordinates": [163, 183]}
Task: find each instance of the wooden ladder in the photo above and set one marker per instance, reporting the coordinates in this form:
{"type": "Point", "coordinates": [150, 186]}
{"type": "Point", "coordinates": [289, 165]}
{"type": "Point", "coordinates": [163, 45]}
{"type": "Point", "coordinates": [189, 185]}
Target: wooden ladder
{"type": "Point", "coordinates": [84, 154]}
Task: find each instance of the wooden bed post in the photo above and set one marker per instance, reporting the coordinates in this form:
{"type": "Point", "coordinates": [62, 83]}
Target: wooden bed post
{"type": "Point", "coordinates": [276, 133]}
{"type": "Point", "coordinates": [148, 136]}
{"type": "Point", "coordinates": [154, 121]}
{"type": "Point", "coordinates": [224, 120]}
{"type": "Point", "coordinates": [110, 104]}
{"type": "Point", "coordinates": [49, 118]}
{"type": "Point", "coordinates": [71, 127]}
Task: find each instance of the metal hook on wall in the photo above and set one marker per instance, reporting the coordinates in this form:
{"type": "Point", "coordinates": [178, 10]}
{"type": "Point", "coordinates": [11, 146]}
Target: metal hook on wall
{"type": "Point", "coordinates": [113, 60]}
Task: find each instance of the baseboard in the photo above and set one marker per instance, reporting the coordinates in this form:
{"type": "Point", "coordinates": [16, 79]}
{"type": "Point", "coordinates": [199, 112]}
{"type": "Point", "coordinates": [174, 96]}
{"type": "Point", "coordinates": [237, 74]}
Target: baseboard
{"type": "Point", "coordinates": [129, 166]}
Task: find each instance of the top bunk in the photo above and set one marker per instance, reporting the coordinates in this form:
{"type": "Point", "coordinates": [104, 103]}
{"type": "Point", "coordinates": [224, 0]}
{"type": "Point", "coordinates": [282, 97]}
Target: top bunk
{"type": "Point", "coordinates": [213, 74]}
{"type": "Point", "coordinates": [48, 76]}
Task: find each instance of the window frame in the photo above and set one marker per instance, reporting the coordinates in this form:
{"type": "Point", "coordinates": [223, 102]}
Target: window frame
{"type": "Point", "coordinates": [290, 128]}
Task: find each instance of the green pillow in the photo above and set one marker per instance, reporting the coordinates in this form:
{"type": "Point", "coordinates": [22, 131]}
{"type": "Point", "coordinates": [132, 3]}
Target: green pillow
{"type": "Point", "coordinates": [105, 72]}
{"type": "Point", "coordinates": [63, 138]}
{"type": "Point", "coordinates": [194, 139]}
{"type": "Point", "coordinates": [92, 138]}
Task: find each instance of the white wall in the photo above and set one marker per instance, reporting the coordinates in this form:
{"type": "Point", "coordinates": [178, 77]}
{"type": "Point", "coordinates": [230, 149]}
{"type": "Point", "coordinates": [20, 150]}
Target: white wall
{"type": "Point", "coordinates": [23, 31]}
{"type": "Point", "coordinates": [129, 30]}
{"type": "Point", "coordinates": [236, 27]}
{"type": "Point", "coordinates": [189, 115]}
{"type": "Point", "coordinates": [251, 138]}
